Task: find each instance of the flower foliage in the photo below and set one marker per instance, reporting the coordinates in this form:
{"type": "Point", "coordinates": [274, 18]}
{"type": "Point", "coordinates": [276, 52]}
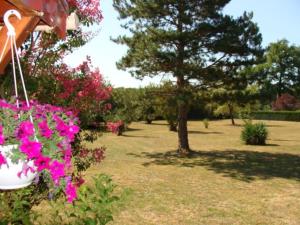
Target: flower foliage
{"type": "Point", "coordinates": [44, 134]}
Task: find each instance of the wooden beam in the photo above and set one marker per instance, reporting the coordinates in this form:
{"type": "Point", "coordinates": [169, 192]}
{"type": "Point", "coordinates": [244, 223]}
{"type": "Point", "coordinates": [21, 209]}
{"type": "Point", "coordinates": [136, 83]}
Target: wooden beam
{"type": "Point", "coordinates": [53, 12]}
{"type": "Point", "coordinates": [23, 29]}
{"type": "Point", "coordinates": [7, 5]}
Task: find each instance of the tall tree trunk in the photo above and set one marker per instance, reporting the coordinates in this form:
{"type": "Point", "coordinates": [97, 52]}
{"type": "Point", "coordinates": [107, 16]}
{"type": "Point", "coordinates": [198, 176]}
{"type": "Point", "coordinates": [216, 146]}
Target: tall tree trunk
{"type": "Point", "coordinates": [231, 114]}
{"type": "Point", "coordinates": [183, 141]}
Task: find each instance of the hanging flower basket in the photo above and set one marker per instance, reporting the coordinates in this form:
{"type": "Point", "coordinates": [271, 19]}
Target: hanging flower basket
{"type": "Point", "coordinates": [36, 141]}
{"type": "Point", "coordinates": [11, 176]}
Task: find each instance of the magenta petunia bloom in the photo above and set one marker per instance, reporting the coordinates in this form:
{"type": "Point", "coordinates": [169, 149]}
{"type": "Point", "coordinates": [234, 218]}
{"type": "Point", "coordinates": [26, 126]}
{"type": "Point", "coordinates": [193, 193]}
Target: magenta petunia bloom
{"type": "Point", "coordinates": [2, 138]}
{"type": "Point", "coordinates": [72, 131]}
{"type": "Point", "coordinates": [68, 157]}
{"type": "Point", "coordinates": [42, 163]}
{"type": "Point", "coordinates": [2, 160]}
{"type": "Point", "coordinates": [66, 130]}
{"type": "Point", "coordinates": [57, 170]}
{"type": "Point", "coordinates": [31, 148]}
{"type": "Point", "coordinates": [26, 129]}
{"type": "Point", "coordinates": [61, 127]}
{"type": "Point", "coordinates": [71, 192]}
{"type": "Point", "coordinates": [45, 130]}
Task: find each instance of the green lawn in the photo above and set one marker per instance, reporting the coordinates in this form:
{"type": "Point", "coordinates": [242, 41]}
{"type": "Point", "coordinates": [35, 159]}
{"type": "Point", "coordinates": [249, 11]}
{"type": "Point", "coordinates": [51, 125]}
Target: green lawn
{"type": "Point", "coordinates": [224, 182]}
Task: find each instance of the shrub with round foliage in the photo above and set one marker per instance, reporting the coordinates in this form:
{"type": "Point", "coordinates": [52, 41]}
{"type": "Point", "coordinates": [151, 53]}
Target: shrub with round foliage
{"type": "Point", "coordinates": [254, 134]}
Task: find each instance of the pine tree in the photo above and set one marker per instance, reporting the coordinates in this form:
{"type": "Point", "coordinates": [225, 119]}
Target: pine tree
{"type": "Point", "coordinates": [191, 40]}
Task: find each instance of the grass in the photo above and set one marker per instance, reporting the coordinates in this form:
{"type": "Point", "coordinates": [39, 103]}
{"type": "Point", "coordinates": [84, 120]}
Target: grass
{"type": "Point", "coordinates": [223, 182]}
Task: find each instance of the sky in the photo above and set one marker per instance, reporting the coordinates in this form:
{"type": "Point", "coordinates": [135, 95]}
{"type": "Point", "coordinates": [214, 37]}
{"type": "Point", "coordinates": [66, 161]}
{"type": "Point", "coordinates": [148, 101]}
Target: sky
{"type": "Point", "coordinates": [277, 19]}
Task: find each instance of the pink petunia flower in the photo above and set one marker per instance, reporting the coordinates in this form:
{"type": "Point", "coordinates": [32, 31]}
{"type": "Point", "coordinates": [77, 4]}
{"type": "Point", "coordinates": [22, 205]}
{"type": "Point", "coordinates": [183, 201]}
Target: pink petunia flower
{"type": "Point", "coordinates": [45, 130]}
{"type": "Point", "coordinates": [42, 163]}
{"type": "Point", "coordinates": [2, 159]}
{"type": "Point", "coordinates": [65, 130]}
{"type": "Point", "coordinates": [26, 129]}
{"type": "Point", "coordinates": [31, 148]}
{"type": "Point", "coordinates": [68, 157]}
{"type": "Point", "coordinates": [57, 170]}
{"type": "Point", "coordinates": [71, 192]}
{"type": "Point", "coordinates": [2, 138]}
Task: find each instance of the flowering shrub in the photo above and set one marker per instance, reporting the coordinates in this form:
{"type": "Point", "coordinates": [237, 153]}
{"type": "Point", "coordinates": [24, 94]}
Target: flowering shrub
{"type": "Point", "coordinates": [286, 102]}
{"type": "Point", "coordinates": [84, 89]}
{"type": "Point", "coordinates": [88, 10]}
{"type": "Point", "coordinates": [116, 127]}
{"type": "Point", "coordinates": [44, 134]}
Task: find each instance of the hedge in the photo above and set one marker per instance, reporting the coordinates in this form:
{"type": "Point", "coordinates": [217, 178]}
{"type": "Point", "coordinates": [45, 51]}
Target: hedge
{"type": "Point", "coordinates": [276, 115]}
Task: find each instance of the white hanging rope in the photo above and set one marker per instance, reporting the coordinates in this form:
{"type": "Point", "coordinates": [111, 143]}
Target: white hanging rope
{"type": "Point", "coordinates": [14, 73]}
{"type": "Point", "coordinates": [11, 35]}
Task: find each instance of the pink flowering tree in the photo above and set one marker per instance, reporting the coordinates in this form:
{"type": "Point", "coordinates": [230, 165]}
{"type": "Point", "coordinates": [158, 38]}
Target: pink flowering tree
{"type": "Point", "coordinates": [286, 102]}
{"type": "Point", "coordinates": [84, 91]}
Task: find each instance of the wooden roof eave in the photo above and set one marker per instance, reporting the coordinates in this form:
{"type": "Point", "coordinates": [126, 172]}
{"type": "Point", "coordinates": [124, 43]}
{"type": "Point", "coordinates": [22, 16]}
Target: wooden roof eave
{"type": "Point", "coordinates": [52, 12]}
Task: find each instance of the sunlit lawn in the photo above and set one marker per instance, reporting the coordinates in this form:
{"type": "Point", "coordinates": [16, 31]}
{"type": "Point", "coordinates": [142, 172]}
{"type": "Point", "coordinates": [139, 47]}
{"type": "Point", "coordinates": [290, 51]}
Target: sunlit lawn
{"type": "Point", "coordinates": [224, 182]}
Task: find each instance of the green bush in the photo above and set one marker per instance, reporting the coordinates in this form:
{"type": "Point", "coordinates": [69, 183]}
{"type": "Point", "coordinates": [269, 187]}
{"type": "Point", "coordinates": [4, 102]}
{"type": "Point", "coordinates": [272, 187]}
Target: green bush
{"type": "Point", "coordinates": [254, 134]}
{"type": "Point", "coordinates": [206, 123]}
{"type": "Point", "coordinates": [277, 115]}
{"type": "Point", "coordinates": [93, 206]}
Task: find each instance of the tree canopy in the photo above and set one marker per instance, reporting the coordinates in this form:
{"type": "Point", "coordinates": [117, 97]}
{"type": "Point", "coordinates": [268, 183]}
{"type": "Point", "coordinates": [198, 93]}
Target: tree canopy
{"type": "Point", "coordinates": [191, 40]}
{"type": "Point", "coordinates": [280, 70]}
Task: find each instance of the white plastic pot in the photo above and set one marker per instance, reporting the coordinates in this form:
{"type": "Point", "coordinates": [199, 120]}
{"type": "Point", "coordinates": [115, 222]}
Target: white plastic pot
{"type": "Point", "coordinates": [9, 178]}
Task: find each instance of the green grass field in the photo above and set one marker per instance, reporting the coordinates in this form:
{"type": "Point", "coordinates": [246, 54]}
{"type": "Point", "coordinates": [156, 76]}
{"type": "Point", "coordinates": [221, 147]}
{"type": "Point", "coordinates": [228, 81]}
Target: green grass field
{"type": "Point", "coordinates": [224, 182]}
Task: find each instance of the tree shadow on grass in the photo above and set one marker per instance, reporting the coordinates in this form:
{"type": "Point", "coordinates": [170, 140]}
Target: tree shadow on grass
{"type": "Point", "coordinates": [271, 145]}
{"type": "Point", "coordinates": [137, 136]}
{"type": "Point", "coordinates": [274, 125]}
{"type": "Point", "coordinates": [128, 129]}
{"type": "Point", "coordinates": [157, 124]}
{"type": "Point", "coordinates": [285, 140]}
{"type": "Point", "coordinates": [243, 165]}
{"type": "Point", "coordinates": [204, 132]}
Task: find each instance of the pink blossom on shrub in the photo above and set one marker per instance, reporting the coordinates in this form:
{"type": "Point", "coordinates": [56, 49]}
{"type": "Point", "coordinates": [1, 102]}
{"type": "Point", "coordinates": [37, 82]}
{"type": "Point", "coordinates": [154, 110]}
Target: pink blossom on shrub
{"type": "Point", "coordinates": [286, 102]}
{"type": "Point", "coordinates": [115, 127]}
{"type": "Point", "coordinates": [89, 9]}
{"type": "Point", "coordinates": [83, 88]}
